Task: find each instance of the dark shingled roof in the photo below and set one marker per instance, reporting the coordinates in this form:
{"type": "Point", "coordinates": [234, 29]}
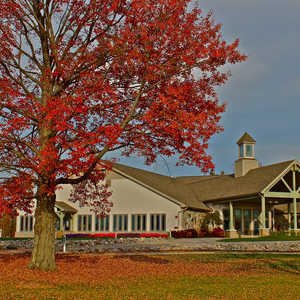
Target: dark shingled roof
{"type": "Point", "coordinates": [228, 186]}
{"type": "Point", "coordinates": [195, 191]}
{"type": "Point", "coordinates": [168, 186]}
{"type": "Point", "coordinates": [246, 138]}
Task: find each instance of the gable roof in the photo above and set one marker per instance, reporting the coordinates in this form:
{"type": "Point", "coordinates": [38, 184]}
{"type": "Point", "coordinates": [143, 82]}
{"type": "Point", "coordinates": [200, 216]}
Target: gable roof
{"type": "Point", "coordinates": [195, 191]}
{"type": "Point", "coordinates": [246, 138]}
{"type": "Point", "coordinates": [164, 185]}
{"type": "Point", "coordinates": [228, 186]}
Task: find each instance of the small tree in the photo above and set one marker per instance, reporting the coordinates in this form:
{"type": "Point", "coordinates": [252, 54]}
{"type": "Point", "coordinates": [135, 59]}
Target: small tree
{"type": "Point", "coordinates": [211, 219]}
{"type": "Point", "coordinates": [79, 79]}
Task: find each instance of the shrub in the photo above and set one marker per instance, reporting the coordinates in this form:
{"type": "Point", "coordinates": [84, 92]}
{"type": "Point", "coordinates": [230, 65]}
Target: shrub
{"type": "Point", "coordinates": [77, 235]}
{"type": "Point", "coordinates": [218, 232]}
{"type": "Point", "coordinates": [187, 233]}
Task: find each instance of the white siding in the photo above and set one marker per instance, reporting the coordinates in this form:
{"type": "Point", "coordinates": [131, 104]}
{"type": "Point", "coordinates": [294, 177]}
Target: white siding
{"type": "Point", "coordinates": [129, 198]}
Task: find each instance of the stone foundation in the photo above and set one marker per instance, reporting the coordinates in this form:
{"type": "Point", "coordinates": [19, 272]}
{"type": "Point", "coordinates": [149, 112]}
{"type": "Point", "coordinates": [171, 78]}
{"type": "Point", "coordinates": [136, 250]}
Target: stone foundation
{"type": "Point", "coordinates": [156, 245]}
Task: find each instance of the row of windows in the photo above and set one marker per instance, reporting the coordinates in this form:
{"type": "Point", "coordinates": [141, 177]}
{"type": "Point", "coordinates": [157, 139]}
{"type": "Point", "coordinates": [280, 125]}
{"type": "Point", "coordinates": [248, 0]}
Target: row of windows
{"type": "Point", "coordinates": [26, 223]}
{"type": "Point", "coordinates": [120, 222]}
{"type": "Point", "coordinates": [243, 216]}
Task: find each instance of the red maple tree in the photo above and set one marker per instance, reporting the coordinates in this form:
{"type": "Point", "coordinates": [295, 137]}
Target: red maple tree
{"type": "Point", "coordinates": [79, 79]}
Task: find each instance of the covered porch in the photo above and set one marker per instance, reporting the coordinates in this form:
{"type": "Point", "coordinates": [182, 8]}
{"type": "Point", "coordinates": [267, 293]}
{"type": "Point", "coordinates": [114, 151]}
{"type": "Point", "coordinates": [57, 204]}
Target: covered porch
{"type": "Point", "coordinates": [65, 218]}
{"type": "Point", "coordinates": [256, 214]}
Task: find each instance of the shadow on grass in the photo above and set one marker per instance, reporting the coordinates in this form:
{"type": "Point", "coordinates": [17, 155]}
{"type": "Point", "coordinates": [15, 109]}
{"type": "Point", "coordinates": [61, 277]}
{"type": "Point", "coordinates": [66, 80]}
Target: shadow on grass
{"type": "Point", "coordinates": [287, 266]}
{"type": "Point", "coordinates": [144, 258]}
{"type": "Point", "coordinates": [6, 257]}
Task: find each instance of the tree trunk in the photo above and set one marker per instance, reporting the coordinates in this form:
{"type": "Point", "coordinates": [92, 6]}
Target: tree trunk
{"type": "Point", "coordinates": [43, 254]}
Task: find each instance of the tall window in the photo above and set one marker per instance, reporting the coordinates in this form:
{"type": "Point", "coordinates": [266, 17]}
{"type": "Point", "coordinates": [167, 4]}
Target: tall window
{"type": "Point", "coordinates": [238, 219]}
{"type": "Point", "coordinates": [267, 220]}
{"type": "Point", "coordinates": [241, 150]}
{"type": "Point", "coordinates": [247, 220]}
{"type": "Point", "coordinates": [101, 223]}
{"type": "Point", "coordinates": [226, 218]}
{"type": "Point", "coordinates": [138, 222]}
{"type": "Point", "coordinates": [84, 222]}
{"type": "Point", "coordinates": [120, 222]}
{"type": "Point", "coordinates": [158, 222]}
{"type": "Point", "coordinates": [26, 223]}
{"type": "Point", "coordinates": [249, 150]}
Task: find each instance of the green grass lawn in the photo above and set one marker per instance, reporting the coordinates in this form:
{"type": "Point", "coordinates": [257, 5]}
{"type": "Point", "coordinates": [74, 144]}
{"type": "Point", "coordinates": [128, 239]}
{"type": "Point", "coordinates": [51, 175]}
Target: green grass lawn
{"type": "Point", "coordinates": [272, 237]}
{"type": "Point", "coordinates": [189, 277]}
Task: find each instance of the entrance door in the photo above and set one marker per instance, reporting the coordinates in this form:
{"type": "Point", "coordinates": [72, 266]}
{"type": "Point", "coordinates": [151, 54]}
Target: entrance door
{"type": "Point", "coordinates": [67, 222]}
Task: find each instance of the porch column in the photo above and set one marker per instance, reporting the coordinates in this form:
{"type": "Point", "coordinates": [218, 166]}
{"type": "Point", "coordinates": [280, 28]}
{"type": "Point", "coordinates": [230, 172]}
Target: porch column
{"type": "Point", "coordinates": [294, 201]}
{"type": "Point", "coordinates": [231, 233]}
{"type": "Point", "coordinates": [263, 230]}
{"type": "Point", "coordinates": [72, 223]}
{"type": "Point", "coordinates": [263, 213]}
{"type": "Point", "coordinates": [295, 213]}
{"type": "Point", "coordinates": [61, 221]}
{"type": "Point", "coordinates": [289, 216]}
{"type": "Point", "coordinates": [231, 226]}
{"type": "Point", "coordinates": [252, 222]}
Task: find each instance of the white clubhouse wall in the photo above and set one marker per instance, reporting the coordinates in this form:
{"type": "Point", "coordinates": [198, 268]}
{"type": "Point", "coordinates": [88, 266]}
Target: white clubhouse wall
{"type": "Point", "coordinates": [128, 197]}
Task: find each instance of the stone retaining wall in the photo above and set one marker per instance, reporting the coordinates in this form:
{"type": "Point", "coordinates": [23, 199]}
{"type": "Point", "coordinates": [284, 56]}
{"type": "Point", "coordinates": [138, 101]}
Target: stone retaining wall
{"type": "Point", "coordinates": [153, 245]}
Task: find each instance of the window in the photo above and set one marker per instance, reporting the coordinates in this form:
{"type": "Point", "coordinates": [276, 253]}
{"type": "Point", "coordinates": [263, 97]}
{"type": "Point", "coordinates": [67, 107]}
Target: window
{"type": "Point", "coordinates": [241, 150]}
{"type": "Point", "coordinates": [26, 223]}
{"type": "Point", "coordinates": [237, 219]}
{"type": "Point", "coordinates": [101, 223]}
{"type": "Point", "coordinates": [267, 219]}
{"type": "Point", "coordinates": [138, 222]}
{"type": "Point", "coordinates": [249, 151]}
{"type": "Point", "coordinates": [84, 222]}
{"type": "Point", "coordinates": [158, 222]}
{"type": "Point", "coordinates": [247, 220]}
{"type": "Point", "coordinates": [120, 222]}
{"type": "Point", "coordinates": [226, 218]}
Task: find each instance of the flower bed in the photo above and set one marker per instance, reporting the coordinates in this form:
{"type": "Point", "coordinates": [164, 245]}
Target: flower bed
{"type": "Point", "coordinates": [192, 233]}
{"type": "Point", "coordinates": [116, 235]}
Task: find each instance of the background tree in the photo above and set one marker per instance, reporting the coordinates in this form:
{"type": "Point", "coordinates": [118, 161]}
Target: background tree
{"type": "Point", "coordinates": [79, 79]}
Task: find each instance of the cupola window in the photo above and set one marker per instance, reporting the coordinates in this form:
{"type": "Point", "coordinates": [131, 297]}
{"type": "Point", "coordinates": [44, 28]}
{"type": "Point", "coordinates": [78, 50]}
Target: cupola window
{"type": "Point", "coordinates": [241, 150]}
{"type": "Point", "coordinates": [249, 150]}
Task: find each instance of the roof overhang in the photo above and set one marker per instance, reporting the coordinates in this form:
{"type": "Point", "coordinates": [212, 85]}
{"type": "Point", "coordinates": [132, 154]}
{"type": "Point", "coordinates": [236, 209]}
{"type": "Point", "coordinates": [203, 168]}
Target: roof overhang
{"type": "Point", "coordinates": [64, 207]}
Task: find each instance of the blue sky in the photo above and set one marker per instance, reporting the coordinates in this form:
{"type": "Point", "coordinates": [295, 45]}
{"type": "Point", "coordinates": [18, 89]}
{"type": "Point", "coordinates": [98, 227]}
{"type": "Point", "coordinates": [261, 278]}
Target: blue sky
{"type": "Point", "coordinates": [263, 94]}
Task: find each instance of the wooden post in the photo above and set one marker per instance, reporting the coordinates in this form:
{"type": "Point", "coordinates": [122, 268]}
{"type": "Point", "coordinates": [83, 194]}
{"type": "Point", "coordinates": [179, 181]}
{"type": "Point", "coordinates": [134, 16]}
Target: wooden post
{"type": "Point", "coordinates": [231, 226]}
{"type": "Point", "coordinates": [294, 201]}
{"type": "Point", "coordinates": [263, 213]}
{"type": "Point", "coordinates": [289, 216]}
{"type": "Point", "coordinates": [295, 213]}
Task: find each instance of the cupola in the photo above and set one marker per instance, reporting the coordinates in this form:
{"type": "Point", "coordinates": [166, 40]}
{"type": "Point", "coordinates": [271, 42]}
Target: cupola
{"type": "Point", "coordinates": [246, 161]}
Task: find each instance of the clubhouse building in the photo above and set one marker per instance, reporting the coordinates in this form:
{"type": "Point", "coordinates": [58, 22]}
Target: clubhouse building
{"type": "Point", "coordinates": [143, 201]}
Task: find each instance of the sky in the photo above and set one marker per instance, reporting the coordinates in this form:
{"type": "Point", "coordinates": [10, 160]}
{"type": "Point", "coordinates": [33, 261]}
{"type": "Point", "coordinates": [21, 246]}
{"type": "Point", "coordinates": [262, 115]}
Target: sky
{"type": "Point", "coordinates": [263, 94]}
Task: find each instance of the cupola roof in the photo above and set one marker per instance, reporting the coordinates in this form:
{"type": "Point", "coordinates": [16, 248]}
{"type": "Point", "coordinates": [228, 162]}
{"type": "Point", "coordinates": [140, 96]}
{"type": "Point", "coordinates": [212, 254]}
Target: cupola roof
{"type": "Point", "coordinates": [246, 138]}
